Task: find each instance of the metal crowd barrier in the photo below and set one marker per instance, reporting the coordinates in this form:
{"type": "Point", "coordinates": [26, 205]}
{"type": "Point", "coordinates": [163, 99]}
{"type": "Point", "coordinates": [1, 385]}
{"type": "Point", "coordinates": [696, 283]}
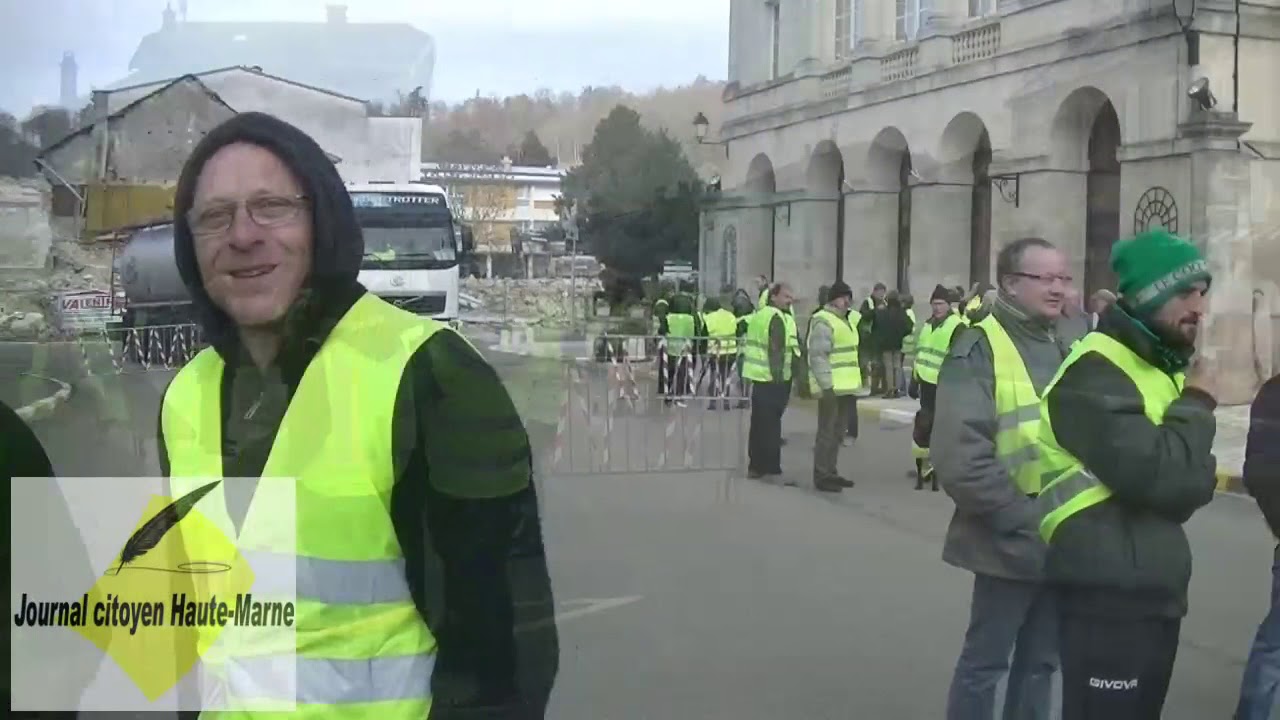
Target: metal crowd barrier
{"type": "Point", "coordinates": [646, 404]}
{"type": "Point", "coordinates": [142, 349]}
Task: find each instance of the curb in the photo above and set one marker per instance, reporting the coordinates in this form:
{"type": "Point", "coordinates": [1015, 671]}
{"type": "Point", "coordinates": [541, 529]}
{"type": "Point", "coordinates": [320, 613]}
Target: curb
{"type": "Point", "coordinates": [46, 406]}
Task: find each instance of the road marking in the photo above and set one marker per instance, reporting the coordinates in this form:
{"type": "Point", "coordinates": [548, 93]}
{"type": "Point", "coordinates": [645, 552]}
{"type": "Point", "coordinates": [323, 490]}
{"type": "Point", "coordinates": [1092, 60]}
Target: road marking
{"type": "Point", "coordinates": [591, 606]}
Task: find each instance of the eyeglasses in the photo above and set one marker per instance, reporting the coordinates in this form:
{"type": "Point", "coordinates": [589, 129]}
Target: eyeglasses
{"type": "Point", "coordinates": [264, 210]}
{"type": "Point", "coordinates": [1046, 279]}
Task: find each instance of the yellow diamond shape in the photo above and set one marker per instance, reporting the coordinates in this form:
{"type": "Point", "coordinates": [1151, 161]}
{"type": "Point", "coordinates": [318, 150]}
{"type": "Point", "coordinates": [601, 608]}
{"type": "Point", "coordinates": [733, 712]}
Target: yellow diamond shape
{"type": "Point", "coordinates": [194, 562]}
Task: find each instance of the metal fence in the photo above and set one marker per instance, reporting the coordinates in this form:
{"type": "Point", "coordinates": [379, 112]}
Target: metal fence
{"type": "Point", "coordinates": [142, 349]}
{"type": "Point", "coordinates": [639, 407]}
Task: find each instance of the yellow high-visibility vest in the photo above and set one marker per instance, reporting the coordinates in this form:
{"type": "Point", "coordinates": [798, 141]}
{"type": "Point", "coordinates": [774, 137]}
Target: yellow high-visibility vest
{"type": "Point", "coordinates": [362, 649]}
{"type": "Point", "coordinates": [846, 375]}
{"type": "Point", "coordinates": [1017, 410]}
{"type": "Point", "coordinates": [932, 348]}
{"type": "Point", "coordinates": [1070, 486]}
{"type": "Point", "coordinates": [755, 354]}
{"type": "Point", "coordinates": [909, 342]}
{"type": "Point", "coordinates": [680, 330]}
{"type": "Point", "coordinates": [722, 330]}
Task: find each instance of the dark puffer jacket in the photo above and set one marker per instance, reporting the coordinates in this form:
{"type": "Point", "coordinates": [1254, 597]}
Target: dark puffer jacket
{"type": "Point", "coordinates": [1129, 555]}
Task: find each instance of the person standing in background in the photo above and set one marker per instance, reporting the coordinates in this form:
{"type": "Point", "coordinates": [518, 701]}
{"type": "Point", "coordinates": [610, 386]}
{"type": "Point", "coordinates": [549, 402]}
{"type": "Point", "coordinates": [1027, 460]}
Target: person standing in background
{"type": "Point", "coordinates": [767, 359]}
{"type": "Point", "coordinates": [834, 375]}
{"type": "Point", "coordinates": [891, 326]}
{"type": "Point", "coordinates": [935, 341]}
{"type": "Point", "coordinates": [1261, 681]}
{"type": "Point", "coordinates": [909, 342]}
{"type": "Point", "coordinates": [867, 355]}
{"type": "Point", "coordinates": [722, 350]}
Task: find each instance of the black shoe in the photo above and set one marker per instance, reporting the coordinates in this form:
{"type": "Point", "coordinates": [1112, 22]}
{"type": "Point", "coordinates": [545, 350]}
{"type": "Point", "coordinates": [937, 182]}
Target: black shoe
{"type": "Point", "coordinates": [844, 482]}
{"type": "Point", "coordinates": [830, 486]}
{"type": "Point", "coordinates": [755, 474]}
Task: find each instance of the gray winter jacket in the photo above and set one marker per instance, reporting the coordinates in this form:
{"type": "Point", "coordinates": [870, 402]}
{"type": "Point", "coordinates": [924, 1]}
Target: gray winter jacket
{"type": "Point", "coordinates": [821, 341]}
{"type": "Point", "coordinates": [994, 530]}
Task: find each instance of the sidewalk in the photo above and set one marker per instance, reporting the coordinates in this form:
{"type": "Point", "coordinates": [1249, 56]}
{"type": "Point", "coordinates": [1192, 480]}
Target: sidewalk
{"type": "Point", "coordinates": [1228, 443]}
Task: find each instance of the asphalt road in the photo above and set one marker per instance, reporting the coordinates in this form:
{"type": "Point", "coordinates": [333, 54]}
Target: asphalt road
{"type": "Point", "coordinates": [690, 594]}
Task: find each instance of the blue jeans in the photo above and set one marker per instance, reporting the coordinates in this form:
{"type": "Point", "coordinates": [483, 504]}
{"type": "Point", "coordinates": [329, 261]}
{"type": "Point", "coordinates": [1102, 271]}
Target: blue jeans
{"type": "Point", "coordinates": [1007, 617]}
{"type": "Point", "coordinates": [1262, 671]}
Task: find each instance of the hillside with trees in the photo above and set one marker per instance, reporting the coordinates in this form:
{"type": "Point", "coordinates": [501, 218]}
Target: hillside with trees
{"type": "Point", "coordinates": [484, 129]}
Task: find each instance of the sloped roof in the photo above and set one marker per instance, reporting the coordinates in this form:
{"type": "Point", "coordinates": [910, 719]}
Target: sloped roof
{"type": "Point", "coordinates": [356, 59]}
{"type": "Point", "coordinates": [129, 84]}
{"type": "Point", "coordinates": [193, 80]}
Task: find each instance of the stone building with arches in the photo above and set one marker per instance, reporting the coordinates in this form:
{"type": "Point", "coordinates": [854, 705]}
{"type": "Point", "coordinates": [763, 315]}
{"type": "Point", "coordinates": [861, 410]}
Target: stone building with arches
{"type": "Point", "coordinates": [905, 141]}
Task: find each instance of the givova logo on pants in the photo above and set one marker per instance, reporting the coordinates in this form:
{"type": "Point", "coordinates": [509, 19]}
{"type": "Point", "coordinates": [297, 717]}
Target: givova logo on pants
{"type": "Point", "coordinates": [1101, 684]}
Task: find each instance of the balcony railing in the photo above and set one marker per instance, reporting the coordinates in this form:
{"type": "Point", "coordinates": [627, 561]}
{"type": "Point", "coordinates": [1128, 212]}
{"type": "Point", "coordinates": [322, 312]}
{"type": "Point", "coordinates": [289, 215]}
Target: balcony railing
{"type": "Point", "coordinates": [836, 84]}
{"type": "Point", "coordinates": [976, 44]}
{"type": "Point", "coordinates": [900, 65]}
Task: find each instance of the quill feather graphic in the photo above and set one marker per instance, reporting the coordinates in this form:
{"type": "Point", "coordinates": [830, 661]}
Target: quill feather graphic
{"type": "Point", "coordinates": [149, 535]}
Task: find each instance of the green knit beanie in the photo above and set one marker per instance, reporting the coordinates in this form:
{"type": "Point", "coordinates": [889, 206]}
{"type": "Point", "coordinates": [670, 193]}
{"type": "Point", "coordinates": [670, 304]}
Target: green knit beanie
{"type": "Point", "coordinates": [1154, 266]}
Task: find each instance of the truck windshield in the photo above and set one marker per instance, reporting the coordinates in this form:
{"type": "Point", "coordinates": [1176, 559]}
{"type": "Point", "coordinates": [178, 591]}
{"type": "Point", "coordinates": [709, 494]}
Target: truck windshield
{"type": "Point", "coordinates": [406, 235]}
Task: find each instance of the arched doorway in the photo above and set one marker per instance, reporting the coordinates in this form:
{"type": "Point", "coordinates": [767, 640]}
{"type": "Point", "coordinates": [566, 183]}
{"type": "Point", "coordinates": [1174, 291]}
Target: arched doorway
{"type": "Point", "coordinates": [980, 213]}
{"type": "Point", "coordinates": [1102, 190]}
{"type": "Point", "coordinates": [759, 235]}
{"type": "Point", "coordinates": [824, 214]}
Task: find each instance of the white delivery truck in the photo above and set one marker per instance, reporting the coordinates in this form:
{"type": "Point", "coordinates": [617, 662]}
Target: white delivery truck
{"type": "Point", "coordinates": [412, 246]}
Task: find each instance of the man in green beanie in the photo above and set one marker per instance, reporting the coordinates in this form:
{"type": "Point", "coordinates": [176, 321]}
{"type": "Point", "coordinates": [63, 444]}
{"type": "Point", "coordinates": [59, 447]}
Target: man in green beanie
{"type": "Point", "coordinates": [1126, 444]}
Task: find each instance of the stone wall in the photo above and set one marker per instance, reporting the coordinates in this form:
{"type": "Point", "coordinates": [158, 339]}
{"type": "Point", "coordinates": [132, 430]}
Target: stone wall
{"type": "Point", "coordinates": [542, 301]}
{"type": "Point", "coordinates": [25, 236]}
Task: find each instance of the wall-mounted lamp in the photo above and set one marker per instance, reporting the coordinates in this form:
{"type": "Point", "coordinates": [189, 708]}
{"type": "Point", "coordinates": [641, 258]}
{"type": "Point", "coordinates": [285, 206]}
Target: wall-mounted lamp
{"type": "Point", "coordinates": [1200, 92]}
{"type": "Point", "coordinates": [700, 127]}
{"type": "Point", "coordinates": [1010, 187]}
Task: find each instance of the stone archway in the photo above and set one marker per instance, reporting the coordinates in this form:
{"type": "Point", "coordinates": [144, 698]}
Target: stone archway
{"type": "Point", "coordinates": [758, 234]}
{"type": "Point", "coordinates": [889, 165]}
{"type": "Point", "coordinates": [1102, 223]}
{"type": "Point", "coordinates": [966, 167]}
{"type": "Point", "coordinates": [1085, 140]}
{"type": "Point", "coordinates": [824, 209]}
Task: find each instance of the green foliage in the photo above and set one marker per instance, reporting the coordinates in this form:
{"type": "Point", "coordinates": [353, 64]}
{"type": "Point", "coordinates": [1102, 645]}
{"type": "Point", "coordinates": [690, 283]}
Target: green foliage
{"type": "Point", "coordinates": [532, 152]}
{"type": "Point", "coordinates": [637, 195]}
{"type": "Point", "coordinates": [17, 156]}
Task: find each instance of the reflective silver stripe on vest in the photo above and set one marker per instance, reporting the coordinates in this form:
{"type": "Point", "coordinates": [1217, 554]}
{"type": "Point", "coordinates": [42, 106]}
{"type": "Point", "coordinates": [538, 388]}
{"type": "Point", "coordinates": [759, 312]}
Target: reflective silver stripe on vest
{"type": "Point", "coordinates": [1014, 461]}
{"type": "Point", "coordinates": [328, 681]}
{"type": "Point", "coordinates": [1017, 416]}
{"type": "Point", "coordinates": [1060, 493]}
{"type": "Point", "coordinates": [846, 364]}
{"type": "Point", "coordinates": [328, 581]}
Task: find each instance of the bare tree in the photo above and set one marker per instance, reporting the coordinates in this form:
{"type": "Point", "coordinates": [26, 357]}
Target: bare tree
{"type": "Point", "coordinates": [481, 196]}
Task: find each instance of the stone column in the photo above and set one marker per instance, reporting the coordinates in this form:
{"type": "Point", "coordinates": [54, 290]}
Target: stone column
{"type": "Point", "coordinates": [870, 239]}
{"type": "Point", "coordinates": [940, 237]}
{"type": "Point", "coordinates": [876, 29]}
{"type": "Point", "coordinates": [944, 14]}
{"type": "Point", "coordinates": [1220, 225]}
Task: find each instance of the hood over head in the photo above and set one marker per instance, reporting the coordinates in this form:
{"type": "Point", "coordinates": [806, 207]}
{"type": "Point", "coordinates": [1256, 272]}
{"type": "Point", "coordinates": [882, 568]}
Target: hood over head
{"type": "Point", "coordinates": [337, 243]}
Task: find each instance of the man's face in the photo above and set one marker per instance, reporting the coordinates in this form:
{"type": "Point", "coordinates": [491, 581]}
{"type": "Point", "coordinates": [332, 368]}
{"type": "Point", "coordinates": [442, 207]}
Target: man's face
{"type": "Point", "coordinates": [1179, 319]}
{"type": "Point", "coordinates": [762, 282]}
{"type": "Point", "coordinates": [255, 268]}
{"type": "Point", "coordinates": [783, 299]}
{"type": "Point", "coordinates": [1041, 282]}
{"type": "Point", "coordinates": [940, 308]}
{"type": "Point", "coordinates": [878, 294]}
{"type": "Point", "coordinates": [841, 303]}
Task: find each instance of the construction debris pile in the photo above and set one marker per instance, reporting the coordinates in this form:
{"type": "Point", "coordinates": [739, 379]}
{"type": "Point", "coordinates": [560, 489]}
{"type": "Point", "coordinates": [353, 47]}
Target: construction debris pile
{"type": "Point", "coordinates": [40, 256]}
{"type": "Point", "coordinates": [542, 301]}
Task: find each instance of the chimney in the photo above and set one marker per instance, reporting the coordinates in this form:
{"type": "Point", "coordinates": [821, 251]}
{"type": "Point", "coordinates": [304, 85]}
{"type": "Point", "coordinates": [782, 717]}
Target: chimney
{"type": "Point", "coordinates": [337, 14]}
{"type": "Point", "coordinates": [169, 20]}
{"type": "Point", "coordinates": [69, 92]}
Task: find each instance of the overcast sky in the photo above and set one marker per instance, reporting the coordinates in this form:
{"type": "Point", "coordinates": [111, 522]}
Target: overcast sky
{"type": "Point", "coordinates": [492, 46]}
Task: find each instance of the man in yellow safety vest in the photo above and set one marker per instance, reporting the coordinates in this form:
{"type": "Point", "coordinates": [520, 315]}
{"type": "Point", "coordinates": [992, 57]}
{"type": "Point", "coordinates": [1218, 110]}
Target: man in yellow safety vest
{"type": "Point", "coordinates": [935, 341]}
{"type": "Point", "coordinates": [984, 450]}
{"type": "Point", "coordinates": [681, 331]}
{"type": "Point", "coordinates": [722, 350]}
{"type": "Point", "coordinates": [415, 535]}
{"type": "Point", "coordinates": [834, 377]}
{"type": "Point", "coordinates": [769, 347]}
{"type": "Point", "coordinates": [1126, 435]}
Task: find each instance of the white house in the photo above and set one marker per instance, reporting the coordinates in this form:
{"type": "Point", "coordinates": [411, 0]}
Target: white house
{"type": "Point", "coordinates": [905, 141]}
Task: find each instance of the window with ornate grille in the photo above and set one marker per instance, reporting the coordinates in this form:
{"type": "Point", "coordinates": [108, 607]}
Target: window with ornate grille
{"type": "Point", "coordinates": [775, 30]}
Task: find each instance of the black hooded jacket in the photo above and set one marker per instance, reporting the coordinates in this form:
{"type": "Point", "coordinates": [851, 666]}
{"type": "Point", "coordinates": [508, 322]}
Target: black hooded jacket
{"type": "Point", "coordinates": [463, 506]}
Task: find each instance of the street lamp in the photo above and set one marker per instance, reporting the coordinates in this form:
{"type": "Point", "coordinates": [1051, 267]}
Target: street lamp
{"type": "Point", "coordinates": [700, 126]}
